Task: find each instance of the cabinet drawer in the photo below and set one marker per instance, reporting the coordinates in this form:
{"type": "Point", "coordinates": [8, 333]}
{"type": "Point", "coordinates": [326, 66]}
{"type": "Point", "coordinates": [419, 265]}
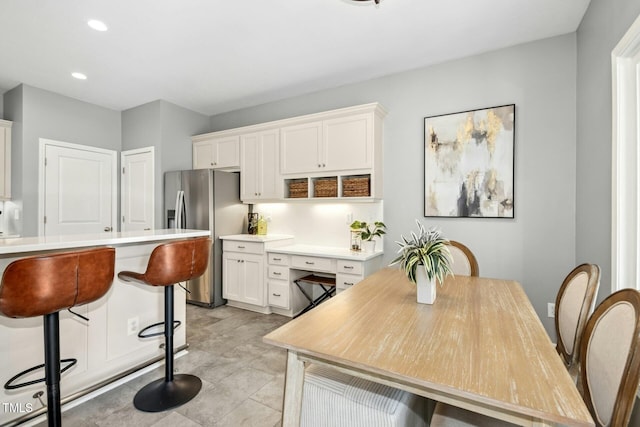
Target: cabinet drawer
{"type": "Point", "coordinates": [349, 267]}
{"type": "Point", "coordinates": [279, 272]}
{"type": "Point", "coordinates": [345, 281]}
{"type": "Point", "coordinates": [278, 259]}
{"type": "Point", "coordinates": [246, 247]}
{"type": "Point", "coordinates": [311, 263]}
{"type": "Point", "coordinates": [279, 294]}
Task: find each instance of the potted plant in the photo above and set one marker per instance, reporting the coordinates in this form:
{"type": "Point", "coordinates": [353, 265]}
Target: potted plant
{"type": "Point", "coordinates": [425, 259]}
{"type": "Point", "coordinates": [366, 232]}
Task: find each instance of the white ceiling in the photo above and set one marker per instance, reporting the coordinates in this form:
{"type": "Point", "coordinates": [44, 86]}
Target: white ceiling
{"type": "Point", "coordinates": [213, 56]}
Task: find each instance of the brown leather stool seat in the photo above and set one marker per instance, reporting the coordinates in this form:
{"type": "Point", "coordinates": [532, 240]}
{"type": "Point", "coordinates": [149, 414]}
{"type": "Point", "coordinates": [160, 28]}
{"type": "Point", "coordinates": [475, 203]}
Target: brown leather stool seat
{"type": "Point", "coordinates": [170, 263]}
{"type": "Point", "coordinates": [45, 285]}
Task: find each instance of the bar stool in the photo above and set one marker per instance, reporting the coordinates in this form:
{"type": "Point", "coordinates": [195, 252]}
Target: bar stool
{"type": "Point", "coordinates": [43, 286]}
{"type": "Point", "coordinates": [169, 264]}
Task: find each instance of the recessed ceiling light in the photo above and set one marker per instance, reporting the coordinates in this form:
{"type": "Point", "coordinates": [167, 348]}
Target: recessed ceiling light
{"type": "Point", "coordinates": [97, 25]}
{"type": "Point", "coordinates": [79, 76]}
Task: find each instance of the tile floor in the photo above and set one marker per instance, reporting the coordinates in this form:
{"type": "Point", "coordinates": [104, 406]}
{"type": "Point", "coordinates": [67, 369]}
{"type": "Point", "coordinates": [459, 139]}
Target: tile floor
{"type": "Point", "coordinates": [242, 378]}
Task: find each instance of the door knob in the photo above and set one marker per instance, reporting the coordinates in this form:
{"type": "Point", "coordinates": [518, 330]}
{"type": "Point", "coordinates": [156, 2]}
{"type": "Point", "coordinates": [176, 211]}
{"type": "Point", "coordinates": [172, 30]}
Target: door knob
{"type": "Point", "coordinates": [108, 229]}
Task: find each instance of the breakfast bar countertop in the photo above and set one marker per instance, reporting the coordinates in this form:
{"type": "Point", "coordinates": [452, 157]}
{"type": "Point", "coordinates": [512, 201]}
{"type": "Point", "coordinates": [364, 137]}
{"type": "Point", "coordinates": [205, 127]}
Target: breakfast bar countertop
{"type": "Point", "coordinates": [48, 243]}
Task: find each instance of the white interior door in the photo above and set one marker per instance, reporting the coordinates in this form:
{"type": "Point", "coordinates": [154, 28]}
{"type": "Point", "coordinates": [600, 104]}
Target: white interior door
{"type": "Point", "coordinates": [137, 189]}
{"type": "Point", "coordinates": [79, 189]}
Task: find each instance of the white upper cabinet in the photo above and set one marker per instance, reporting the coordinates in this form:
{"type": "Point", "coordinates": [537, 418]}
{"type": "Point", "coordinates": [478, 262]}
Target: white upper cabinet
{"type": "Point", "coordinates": [301, 148]}
{"type": "Point", "coordinates": [216, 153]}
{"type": "Point", "coordinates": [5, 159]}
{"type": "Point", "coordinates": [343, 146]}
{"type": "Point", "coordinates": [342, 142]}
{"type": "Point", "coordinates": [260, 178]}
{"type": "Point", "coordinates": [348, 143]}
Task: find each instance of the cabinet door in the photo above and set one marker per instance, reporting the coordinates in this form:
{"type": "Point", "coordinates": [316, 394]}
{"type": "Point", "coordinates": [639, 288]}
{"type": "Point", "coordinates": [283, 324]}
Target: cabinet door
{"type": "Point", "coordinates": [348, 143]}
{"type": "Point", "coordinates": [270, 186]}
{"type": "Point", "coordinates": [231, 276]}
{"type": "Point", "coordinates": [203, 155]}
{"type": "Point", "coordinates": [253, 281]}
{"type": "Point", "coordinates": [227, 152]}
{"type": "Point", "coordinates": [217, 153]}
{"type": "Point", "coordinates": [300, 148]}
{"type": "Point", "coordinates": [250, 166]}
{"type": "Point", "coordinates": [259, 177]}
{"type": "Point", "coordinates": [5, 160]}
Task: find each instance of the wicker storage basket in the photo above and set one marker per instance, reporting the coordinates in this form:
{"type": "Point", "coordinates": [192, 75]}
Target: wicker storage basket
{"type": "Point", "coordinates": [356, 186]}
{"type": "Point", "coordinates": [325, 187]}
{"type": "Point", "coordinates": [298, 189]}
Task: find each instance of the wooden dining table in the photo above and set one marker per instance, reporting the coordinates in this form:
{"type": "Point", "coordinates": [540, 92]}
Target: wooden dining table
{"type": "Point", "coordinates": [480, 346]}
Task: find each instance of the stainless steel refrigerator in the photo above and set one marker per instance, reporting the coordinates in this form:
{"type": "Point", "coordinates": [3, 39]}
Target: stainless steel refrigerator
{"type": "Point", "coordinates": [205, 199]}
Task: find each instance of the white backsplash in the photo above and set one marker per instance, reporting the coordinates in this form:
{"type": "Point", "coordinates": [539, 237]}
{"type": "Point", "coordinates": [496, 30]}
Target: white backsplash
{"type": "Point", "coordinates": [319, 223]}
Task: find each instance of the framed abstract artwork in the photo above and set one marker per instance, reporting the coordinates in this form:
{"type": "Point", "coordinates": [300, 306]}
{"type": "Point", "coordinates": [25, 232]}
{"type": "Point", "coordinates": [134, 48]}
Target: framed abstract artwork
{"type": "Point", "coordinates": [468, 163]}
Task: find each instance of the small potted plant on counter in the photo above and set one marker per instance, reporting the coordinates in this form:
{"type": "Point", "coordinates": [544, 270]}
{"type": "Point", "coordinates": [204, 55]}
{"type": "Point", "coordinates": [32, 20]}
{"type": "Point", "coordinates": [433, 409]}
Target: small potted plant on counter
{"type": "Point", "coordinates": [366, 233]}
{"type": "Point", "coordinates": [425, 259]}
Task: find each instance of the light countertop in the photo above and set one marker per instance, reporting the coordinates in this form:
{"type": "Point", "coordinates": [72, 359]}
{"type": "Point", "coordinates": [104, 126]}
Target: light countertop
{"type": "Point", "coordinates": [325, 252]}
{"type": "Point", "coordinates": [42, 243]}
{"type": "Point", "coordinates": [256, 237]}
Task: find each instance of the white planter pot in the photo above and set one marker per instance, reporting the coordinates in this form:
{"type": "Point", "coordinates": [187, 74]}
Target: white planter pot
{"type": "Point", "coordinates": [426, 289]}
{"type": "Point", "coordinates": [368, 245]}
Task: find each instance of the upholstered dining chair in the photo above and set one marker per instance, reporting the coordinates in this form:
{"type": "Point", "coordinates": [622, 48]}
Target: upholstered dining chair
{"type": "Point", "coordinates": [610, 361]}
{"type": "Point", "coordinates": [464, 262]}
{"type": "Point", "coordinates": [609, 367]}
{"type": "Point", "coordinates": [575, 302]}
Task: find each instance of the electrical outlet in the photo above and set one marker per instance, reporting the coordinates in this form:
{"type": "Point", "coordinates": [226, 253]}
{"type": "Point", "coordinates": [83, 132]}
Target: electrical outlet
{"type": "Point", "coordinates": [349, 218]}
{"type": "Point", "coordinates": [551, 309]}
{"type": "Point", "coordinates": [132, 325]}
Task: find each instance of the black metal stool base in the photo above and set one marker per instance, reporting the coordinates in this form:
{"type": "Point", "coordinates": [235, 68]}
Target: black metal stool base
{"type": "Point", "coordinates": [161, 395]}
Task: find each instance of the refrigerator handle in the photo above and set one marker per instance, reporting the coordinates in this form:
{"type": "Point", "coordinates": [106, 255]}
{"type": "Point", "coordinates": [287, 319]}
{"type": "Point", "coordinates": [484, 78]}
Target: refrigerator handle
{"type": "Point", "coordinates": [179, 205]}
{"type": "Point", "coordinates": [183, 216]}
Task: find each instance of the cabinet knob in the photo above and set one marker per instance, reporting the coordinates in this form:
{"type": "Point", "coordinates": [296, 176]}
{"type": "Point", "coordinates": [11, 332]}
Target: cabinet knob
{"type": "Point", "coordinates": [255, 194]}
{"type": "Point", "coordinates": [277, 259]}
{"type": "Point", "coordinates": [277, 273]}
{"type": "Point", "coordinates": [240, 247]}
{"type": "Point", "coordinates": [323, 165]}
{"type": "Point", "coordinates": [348, 267]}
{"type": "Point", "coordinates": [107, 229]}
{"type": "Point", "coordinates": [213, 164]}
{"type": "Point", "coordinates": [347, 283]}
{"type": "Point", "coordinates": [309, 262]}
{"type": "Point", "coordinates": [319, 165]}
{"type": "Point", "coordinates": [276, 295]}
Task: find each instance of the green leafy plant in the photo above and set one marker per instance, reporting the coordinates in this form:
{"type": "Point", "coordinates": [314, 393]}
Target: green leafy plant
{"type": "Point", "coordinates": [428, 250]}
{"type": "Point", "coordinates": [368, 231]}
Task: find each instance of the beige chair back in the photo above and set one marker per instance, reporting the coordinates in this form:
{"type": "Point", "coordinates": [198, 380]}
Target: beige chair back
{"type": "Point", "coordinates": [610, 358]}
{"type": "Point", "coordinates": [464, 262]}
{"type": "Point", "coordinates": [574, 304]}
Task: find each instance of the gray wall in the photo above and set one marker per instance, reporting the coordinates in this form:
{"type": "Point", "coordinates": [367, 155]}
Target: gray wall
{"type": "Point", "coordinates": [43, 114]}
{"type": "Point", "coordinates": [602, 28]}
{"type": "Point", "coordinates": [168, 128]}
{"type": "Point", "coordinates": [537, 248]}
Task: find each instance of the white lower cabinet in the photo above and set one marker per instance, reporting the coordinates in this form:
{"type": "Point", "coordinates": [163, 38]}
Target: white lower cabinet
{"type": "Point", "coordinates": [244, 272]}
{"type": "Point", "coordinates": [286, 265]}
{"type": "Point", "coordinates": [348, 274]}
{"type": "Point", "coordinates": [279, 294]}
{"type": "Point", "coordinates": [243, 278]}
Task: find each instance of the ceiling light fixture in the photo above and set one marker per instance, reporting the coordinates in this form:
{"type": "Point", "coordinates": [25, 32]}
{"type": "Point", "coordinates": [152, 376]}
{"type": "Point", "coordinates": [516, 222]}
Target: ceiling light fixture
{"type": "Point", "coordinates": [97, 25]}
{"type": "Point", "coordinates": [377, 1]}
{"type": "Point", "coordinates": [79, 76]}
